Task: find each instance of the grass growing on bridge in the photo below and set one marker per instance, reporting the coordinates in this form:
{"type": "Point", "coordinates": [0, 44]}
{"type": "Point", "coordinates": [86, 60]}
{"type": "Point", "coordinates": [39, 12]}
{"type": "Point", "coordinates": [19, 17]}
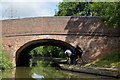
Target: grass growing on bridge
{"type": "Point", "coordinates": [111, 61]}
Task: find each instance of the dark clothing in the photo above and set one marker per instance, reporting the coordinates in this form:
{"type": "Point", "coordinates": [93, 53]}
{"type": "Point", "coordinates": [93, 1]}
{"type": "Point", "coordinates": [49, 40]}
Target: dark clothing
{"type": "Point", "coordinates": [78, 54]}
{"type": "Point", "coordinates": [78, 51]}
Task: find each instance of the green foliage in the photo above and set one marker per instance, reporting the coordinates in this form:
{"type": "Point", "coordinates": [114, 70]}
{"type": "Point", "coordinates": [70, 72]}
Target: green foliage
{"type": "Point", "coordinates": [5, 63]}
{"type": "Point", "coordinates": [109, 12]}
{"type": "Point", "coordinates": [48, 51]}
{"type": "Point", "coordinates": [71, 9]}
{"type": "Point", "coordinates": [111, 60]}
{"type": "Point", "coordinates": [7, 73]}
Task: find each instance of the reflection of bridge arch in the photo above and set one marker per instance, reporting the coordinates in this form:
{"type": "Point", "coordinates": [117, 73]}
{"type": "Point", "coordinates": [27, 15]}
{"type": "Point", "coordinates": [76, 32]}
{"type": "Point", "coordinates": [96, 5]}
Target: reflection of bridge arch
{"type": "Point", "coordinates": [22, 56]}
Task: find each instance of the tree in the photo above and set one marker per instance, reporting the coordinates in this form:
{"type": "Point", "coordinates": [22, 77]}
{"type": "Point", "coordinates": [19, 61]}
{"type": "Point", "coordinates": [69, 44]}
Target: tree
{"type": "Point", "coordinates": [71, 9]}
{"type": "Point", "coordinates": [109, 12]}
{"type": "Point", "coordinates": [48, 51]}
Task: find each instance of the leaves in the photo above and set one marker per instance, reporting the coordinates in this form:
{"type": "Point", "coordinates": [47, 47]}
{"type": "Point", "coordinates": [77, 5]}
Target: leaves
{"type": "Point", "coordinates": [48, 51]}
{"type": "Point", "coordinates": [70, 8]}
{"type": "Point", "coordinates": [109, 12]}
{"type": "Point", "coordinates": [5, 61]}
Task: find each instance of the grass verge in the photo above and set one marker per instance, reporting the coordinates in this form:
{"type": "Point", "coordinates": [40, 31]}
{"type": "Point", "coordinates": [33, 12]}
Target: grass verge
{"type": "Point", "coordinates": [109, 61]}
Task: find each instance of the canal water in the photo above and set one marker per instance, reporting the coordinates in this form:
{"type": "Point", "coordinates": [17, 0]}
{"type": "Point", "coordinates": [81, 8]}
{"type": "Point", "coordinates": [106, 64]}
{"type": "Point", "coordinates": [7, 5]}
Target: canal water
{"type": "Point", "coordinates": [43, 68]}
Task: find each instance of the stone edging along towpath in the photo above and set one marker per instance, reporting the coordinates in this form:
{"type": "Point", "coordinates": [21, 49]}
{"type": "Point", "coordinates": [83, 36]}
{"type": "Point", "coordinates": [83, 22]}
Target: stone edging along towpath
{"type": "Point", "coordinates": [91, 70]}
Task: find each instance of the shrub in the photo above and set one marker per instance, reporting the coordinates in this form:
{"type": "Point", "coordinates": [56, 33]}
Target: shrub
{"type": "Point", "coordinates": [4, 61]}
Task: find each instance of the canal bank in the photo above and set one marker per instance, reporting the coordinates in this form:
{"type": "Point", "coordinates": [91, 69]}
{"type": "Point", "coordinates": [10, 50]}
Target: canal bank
{"type": "Point", "coordinates": [89, 70]}
{"type": "Point", "coordinates": [46, 68]}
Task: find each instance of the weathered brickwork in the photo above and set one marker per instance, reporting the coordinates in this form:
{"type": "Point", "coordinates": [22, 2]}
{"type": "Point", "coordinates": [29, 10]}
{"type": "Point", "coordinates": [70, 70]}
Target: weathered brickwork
{"type": "Point", "coordinates": [89, 33]}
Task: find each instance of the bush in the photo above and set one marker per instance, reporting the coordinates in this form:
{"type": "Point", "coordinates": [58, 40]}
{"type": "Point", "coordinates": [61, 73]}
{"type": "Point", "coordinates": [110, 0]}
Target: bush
{"type": "Point", "coordinates": [4, 61]}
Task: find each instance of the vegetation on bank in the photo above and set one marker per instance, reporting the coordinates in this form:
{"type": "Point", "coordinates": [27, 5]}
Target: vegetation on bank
{"type": "Point", "coordinates": [4, 60]}
{"type": "Point", "coordinates": [111, 61]}
{"type": "Point", "coordinates": [5, 63]}
{"type": "Point", "coordinates": [47, 51]}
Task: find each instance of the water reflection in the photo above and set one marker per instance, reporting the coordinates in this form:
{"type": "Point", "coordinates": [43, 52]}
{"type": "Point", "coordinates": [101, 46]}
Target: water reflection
{"type": "Point", "coordinates": [37, 76]}
{"type": "Point", "coordinates": [8, 73]}
{"type": "Point", "coordinates": [23, 72]}
{"type": "Point", "coordinates": [46, 69]}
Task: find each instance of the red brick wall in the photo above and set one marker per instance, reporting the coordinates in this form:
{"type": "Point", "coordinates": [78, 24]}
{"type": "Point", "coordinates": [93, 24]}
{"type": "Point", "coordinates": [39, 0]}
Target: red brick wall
{"type": "Point", "coordinates": [89, 33]}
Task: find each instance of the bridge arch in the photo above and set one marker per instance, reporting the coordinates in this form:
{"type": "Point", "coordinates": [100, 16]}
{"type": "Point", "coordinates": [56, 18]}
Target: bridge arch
{"type": "Point", "coordinates": [22, 56]}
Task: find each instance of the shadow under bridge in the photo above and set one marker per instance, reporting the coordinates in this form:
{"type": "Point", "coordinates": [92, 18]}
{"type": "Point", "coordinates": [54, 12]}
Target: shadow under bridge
{"type": "Point", "coordinates": [22, 56]}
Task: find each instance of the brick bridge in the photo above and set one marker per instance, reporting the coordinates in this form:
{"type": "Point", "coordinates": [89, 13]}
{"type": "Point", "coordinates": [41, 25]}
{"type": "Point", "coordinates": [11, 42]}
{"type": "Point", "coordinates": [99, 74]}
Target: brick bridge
{"type": "Point", "coordinates": [22, 35]}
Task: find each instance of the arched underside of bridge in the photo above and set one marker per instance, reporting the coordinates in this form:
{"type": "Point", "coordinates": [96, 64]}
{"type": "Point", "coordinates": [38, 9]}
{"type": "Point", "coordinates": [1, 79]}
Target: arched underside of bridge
{"type": "Point", "coordinates": [22, 56]}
